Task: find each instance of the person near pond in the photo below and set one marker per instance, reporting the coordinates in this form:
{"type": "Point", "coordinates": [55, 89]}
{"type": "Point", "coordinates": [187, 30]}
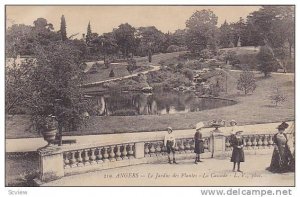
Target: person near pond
{"type": "Point", "coordinates": [170, 143]}
{"type": "Point", "coordinates": [198, 142]}
{"type": "Point", "coordinates": [282, 158]}
{"type": "Point", "coordinates": [238, 156]}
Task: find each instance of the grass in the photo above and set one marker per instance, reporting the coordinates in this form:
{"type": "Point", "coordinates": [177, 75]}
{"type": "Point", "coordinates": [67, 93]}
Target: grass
{"type": "Point", "coordinates": [250, 109]}
{"type": "Point", "coordinates": [21, 169]}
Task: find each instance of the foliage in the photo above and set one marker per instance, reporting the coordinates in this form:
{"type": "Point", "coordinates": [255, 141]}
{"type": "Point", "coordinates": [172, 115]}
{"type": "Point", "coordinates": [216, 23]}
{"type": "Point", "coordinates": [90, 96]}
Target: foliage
{"type": "Point", "coordinates": [266, 60]}
{"type": "Point", "coordinates": [112, 73]}
{"type": "Point", "coordinates": [225, 35]}
{"type": "Point", "coordinates": [125, 38]}
{"type": "Point", "coordinates": [246, 82]}
{"type": "Point", "coordinates": [201, 30]}
{"type": "Point", "coordinates": [278, 96]}
{"type": "Point", "coordinates": [63, 28]}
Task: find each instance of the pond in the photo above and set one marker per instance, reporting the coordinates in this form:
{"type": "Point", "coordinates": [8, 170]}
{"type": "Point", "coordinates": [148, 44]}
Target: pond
{"type": "Point", "coordinates": [157, 103]}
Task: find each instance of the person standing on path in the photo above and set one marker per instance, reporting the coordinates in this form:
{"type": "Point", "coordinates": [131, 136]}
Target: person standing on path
{"type": "Point", "coordinates": [238, 155]}
{"type": "Point", "coordinates": [282, 156]}
{"type": "Point", "coordinates": [198, 142]}
{"type": "Point", "coordinates": [170, 143]}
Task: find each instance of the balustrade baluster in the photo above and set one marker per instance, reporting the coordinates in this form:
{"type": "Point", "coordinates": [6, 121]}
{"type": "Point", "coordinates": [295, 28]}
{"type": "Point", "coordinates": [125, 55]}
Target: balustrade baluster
{"type": "Point", "coordinates": [259, 143]}
{"type": "Point", "coordinates": [181, 147]}
{"type": "Point", "coordinates": [105, 155]}
{"type": "Point", "coordinates": [265, 142]}
{"type": "Point", "coordinates": [130, 151]}
{"type": "Point", "coordinates": [99, 155]}
{"type": "Point", "coordinates": [118, 153]}
{"type": "Point", "coordinates": [79, 158]}
{"type": "Point", "coordinates": [188, 146]}
{"type": "Point", "coordinates": [73, 160]}
{"type": "Point", "coordinates": [124, 152]}
{"type": "Point", "coordinates": [93, 156]}
{"type": "Point", "coordinates": [249, 143]}
{"type": "Point", "coordinates": [158, 149]}
{"type": "Point", "coordinates": [147, 150]}
{"type": "Point", "coordinates": [152, 150]}
{"type": "Point", "coordinates": [270, 141]}
{"type": "Point", "coordinates": [112, 154]}
{"type": "Point", "coordinates": [227, 144]}
{"type": "Point", "coordinates": [86, 157]}
{"type": "Point", "coordinates": [254, 142]}
{"type": "Point", "coordinates": [66, 160]}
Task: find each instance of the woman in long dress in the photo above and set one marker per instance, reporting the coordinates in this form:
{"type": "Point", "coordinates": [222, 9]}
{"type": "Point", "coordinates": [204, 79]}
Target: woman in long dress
{"type": "Point", "coordinates": [282, 157]}
{"type": "Point", "coordinates": [198, 142]}
{"type": "Point", "coordinates": [238, 155]}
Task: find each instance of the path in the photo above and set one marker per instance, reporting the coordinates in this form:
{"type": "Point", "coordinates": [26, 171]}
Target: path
{"type": "Point", "coordinates": [211, 172]}
{"type": "Point", "coordinates": [141, 60]}
{"type": "Point", "coordinates": [32, 144]}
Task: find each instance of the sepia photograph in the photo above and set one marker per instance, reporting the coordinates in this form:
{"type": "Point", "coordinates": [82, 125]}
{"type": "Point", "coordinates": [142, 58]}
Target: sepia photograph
{"type": "Point", "coordinates": [149, 95]}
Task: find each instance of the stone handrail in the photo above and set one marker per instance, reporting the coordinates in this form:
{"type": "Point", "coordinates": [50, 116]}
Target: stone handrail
{"type": "Point", "coordinates": [59, 161]}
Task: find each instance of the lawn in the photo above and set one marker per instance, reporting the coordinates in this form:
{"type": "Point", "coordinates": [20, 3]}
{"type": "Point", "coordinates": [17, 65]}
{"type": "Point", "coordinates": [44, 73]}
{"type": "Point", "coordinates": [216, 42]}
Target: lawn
{"type": "Point", "coordinates": [250, 109]}
{"type": "Point", "coordinates": [21, 169]}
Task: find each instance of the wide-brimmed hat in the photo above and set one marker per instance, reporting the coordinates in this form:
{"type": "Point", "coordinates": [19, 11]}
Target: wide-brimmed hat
{"type": "Point", "coordinates": [283, 126]}
{"type": "Point", "coordinates": [170, 128]}
{"type": "Point", "coordinates": [239, 132]}
{"type": "Point", "coordinates": [199, 125]}
{"type": "Point", "coordinates": [232, 122]}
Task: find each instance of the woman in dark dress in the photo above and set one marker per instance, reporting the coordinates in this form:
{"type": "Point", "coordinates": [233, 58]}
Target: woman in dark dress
{"type": "Point", "coordinates": [238, 156]}
{"type": "Point", "coordinates": [198, 142]}
{"type": "Point", "coordinates": [282, 157]}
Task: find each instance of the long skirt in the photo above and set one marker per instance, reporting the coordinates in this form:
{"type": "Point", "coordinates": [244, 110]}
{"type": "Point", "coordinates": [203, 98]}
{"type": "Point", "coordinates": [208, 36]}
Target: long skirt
{"type": "Point", "coordinates": [281, 160]}
{"type": "Point", "coordinates": [199, 148]}
{"type": "Point", "coordinates": [237, 155]}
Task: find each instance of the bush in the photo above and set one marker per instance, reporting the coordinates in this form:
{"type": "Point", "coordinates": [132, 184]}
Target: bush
{"type": "Point", "coordinates": [173, 48]}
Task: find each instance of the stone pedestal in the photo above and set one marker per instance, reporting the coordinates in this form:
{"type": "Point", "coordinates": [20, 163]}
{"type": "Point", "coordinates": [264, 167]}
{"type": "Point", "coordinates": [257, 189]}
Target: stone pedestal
{"type": "Point", "coordinates": [139, 150]}
{"type": "Point", "coordinates": [51, 164]}
{"type": "Point", "coordinates": [217, 143]}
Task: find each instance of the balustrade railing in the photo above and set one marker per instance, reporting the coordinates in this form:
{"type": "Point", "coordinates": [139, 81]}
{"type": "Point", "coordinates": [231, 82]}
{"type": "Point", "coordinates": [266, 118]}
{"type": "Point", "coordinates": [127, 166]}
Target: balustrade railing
{"type": "Point", "coordinates": [98, 155]}
{"type": "Point", "coordinates": [253, 142]}
{"type": "Point", "coordinates": [182, 146]}
{"type": "Point", "coordinates": [56, 162]}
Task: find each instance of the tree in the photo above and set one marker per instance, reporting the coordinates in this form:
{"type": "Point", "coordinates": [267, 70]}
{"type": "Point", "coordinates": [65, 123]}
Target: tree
{"type": "Point", "coordinates": [125, 38]}
{"type": "Point", "coordinates": [88, 38]}
{"type": "Point", "coordinates": [19, 40]}
{"type": "Point", "coordinates": [266, 60]}
{"type": "Point", "coordinates": [246, 82]}
{"type": "Point", "coordinates": [112, 73]}
{"type": "Point", "coordinates": [278, 97]}
{"type": "Point", "coordinates": [63, 30]}
{"type": "Point", "coordinates": [225, 36]}
{"type": "Point", "coordinates": [201, 30]}
{"type": "Point", "coordinates": [150, 39]}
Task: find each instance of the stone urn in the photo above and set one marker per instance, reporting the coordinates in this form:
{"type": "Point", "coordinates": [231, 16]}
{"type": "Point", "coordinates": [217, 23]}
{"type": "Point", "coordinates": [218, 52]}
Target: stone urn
{"type": "Point", "coordinates": [49, 129]}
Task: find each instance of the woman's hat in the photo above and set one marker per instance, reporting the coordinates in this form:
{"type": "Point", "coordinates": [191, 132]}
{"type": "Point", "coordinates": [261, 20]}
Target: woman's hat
{"type": "Point", "coordinates": [283, 126]}
{"type": "Point", "coordinates": [239, 132]}
{"type": "Point", "coordinates": [170, 128]}
{"type": "Point", "coordinates": [199, 125]}
{"type": "Point", "coordinates": [232, 122]}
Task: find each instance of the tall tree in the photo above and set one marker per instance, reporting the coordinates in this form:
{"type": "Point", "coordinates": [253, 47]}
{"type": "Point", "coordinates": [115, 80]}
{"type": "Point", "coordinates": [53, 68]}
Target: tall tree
{"type": "Point", "coordinates": [225, 36]}
{"type": "Point", "coordinates": [88, 38]}
{"type": "Point", "coordinates": [63, 28]}
{"type": "Point", "coordinates": [266, 61]}
{"type": "Point", "coordinates": [201, 30]}
{"type": "Point", "coordinates": [125, 37]}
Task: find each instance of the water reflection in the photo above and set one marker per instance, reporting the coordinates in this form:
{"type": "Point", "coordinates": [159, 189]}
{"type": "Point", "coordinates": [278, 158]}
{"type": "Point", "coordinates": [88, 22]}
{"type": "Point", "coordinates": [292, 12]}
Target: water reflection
{"type": "Point", "coordinates": [136, 103]}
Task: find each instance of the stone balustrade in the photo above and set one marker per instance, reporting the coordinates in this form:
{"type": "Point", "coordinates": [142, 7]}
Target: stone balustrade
{"type": "Point", "coordinates": [59, 161]}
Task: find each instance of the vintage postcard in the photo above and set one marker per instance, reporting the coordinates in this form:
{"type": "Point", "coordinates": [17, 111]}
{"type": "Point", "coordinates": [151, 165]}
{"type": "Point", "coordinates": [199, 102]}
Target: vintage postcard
{"type": "Point", "coordinates": [149, 95]}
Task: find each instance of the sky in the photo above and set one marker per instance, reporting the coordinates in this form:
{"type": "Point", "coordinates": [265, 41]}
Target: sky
{"type": "Point", "coordinates": [104, 18]}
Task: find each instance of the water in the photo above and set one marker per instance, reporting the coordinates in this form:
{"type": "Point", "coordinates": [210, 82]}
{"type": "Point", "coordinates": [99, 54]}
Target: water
{"type": "Point", "coordinates": [158, 103]}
